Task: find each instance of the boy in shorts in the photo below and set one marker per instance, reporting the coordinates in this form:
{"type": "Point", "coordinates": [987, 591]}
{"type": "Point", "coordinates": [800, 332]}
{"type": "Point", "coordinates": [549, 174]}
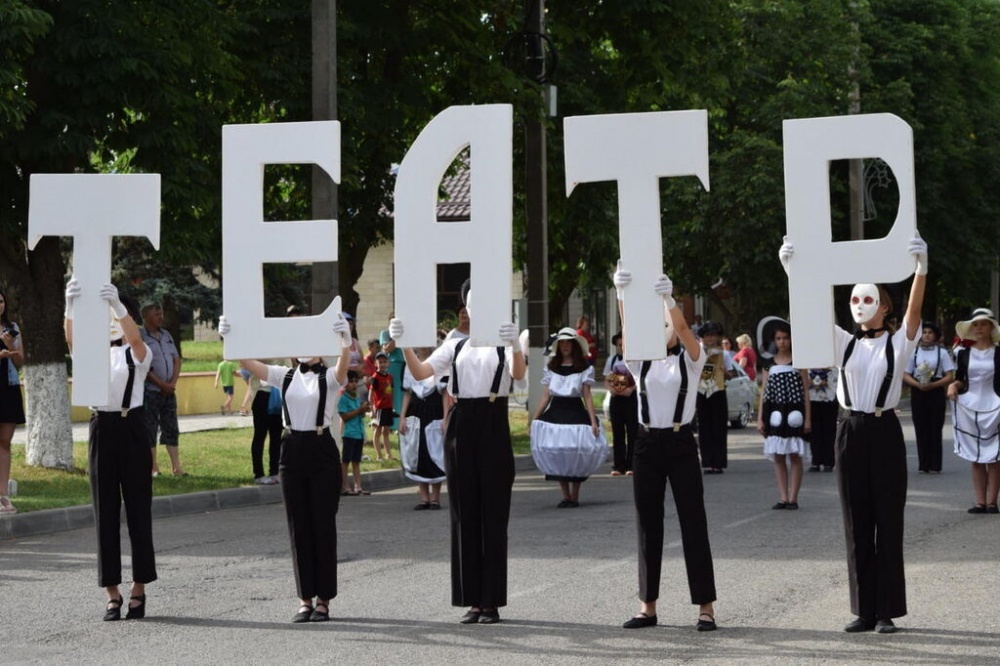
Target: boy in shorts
{"type": "Point", "coordinates": [226, 373]}
{"type": "Point", "coordinates": [352, 408]}
{"type": "Point", "coordinates": [380, 396]}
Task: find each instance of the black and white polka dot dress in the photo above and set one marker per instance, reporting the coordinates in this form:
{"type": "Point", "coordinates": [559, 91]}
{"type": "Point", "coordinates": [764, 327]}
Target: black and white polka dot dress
{"type": "Point", "coordinates": [783, 411]}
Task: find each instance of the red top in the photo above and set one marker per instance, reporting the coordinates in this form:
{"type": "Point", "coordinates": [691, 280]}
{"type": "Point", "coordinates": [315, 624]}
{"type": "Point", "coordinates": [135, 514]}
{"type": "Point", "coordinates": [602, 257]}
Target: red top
{"type": "Point", "coordinates": [591, 345]}
{"type": "Point", "coordinates": [380, 392]}
{"type": "Point", "coordinates": [751, 356]}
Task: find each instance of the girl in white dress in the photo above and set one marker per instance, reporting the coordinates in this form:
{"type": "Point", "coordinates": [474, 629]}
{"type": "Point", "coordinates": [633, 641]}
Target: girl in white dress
{"type": "Point", "coordinates": [567, 442]}
{"type": "Point", "coordinates": [976, 411]}
{"type": "Point", "coordinates": [783, 416]}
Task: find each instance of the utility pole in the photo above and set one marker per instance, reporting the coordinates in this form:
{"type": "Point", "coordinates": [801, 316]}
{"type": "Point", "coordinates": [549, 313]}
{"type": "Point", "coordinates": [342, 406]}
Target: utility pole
{"type": "Point", "coordinates": [536, 205]}
{"type": "Point", "coordinates": [325, 282]}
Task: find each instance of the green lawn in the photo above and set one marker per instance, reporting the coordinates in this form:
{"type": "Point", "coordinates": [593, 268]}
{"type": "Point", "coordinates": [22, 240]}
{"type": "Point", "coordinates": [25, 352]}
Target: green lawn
{"type": "Point", "coordinates": [200, 356]}
{"type": "Point", "coordinates": [215, 459]}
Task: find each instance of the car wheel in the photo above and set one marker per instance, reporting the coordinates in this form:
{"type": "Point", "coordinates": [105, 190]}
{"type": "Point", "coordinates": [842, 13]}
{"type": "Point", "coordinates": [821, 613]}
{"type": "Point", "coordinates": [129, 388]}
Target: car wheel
{"type": "Point", "coordinates": [743, 419]}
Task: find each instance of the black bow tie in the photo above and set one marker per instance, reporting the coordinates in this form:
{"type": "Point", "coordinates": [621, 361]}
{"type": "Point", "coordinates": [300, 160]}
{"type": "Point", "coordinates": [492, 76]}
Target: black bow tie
{"type": "Point", "coordinates": [318, 368]}
{"type": "Point", "coordinates": [870, 333]}
{"type": "Point", "coordinates": [675, 350]}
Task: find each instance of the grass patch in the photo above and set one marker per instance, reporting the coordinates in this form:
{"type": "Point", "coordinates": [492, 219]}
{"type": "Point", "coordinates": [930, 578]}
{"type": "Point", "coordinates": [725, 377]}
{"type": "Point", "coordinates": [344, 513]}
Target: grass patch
{"type": "Point", "coordinates": [200, 356]}
{"type": "Point", "coordinates": [215, 459]}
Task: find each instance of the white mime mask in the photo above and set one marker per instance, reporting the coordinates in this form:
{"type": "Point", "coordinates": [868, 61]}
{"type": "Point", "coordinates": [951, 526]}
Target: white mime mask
{"type": "Point", "coordinates": [864, 302]}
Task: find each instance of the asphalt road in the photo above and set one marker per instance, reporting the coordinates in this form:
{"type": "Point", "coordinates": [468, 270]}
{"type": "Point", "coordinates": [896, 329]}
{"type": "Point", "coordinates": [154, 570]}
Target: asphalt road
{"type": "Point", "coordinates": [225, 592]}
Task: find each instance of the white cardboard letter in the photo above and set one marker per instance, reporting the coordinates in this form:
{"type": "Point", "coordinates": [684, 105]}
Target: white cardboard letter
{"type": "Point", "coordinates": [818, 263]}
{"type": "Point", "coordinates": [92, 209]}
{"type": "Point", "coordinates": [421, 243]}
{"type": "Point", "coordinates": [636, 150]}
{"type": "Point", "coordinates": [249, 242]}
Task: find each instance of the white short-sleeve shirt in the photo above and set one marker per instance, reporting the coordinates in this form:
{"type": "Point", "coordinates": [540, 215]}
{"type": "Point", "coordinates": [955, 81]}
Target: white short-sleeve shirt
{"type": "Point", "coordinates": [866, 368]}
{"type": "Point", "coordinates": [568, 386]}
{"type": "Point", "coordinates": [663, 385]}
{"type": "Point", "coordinates": [302, 397]}
{"type": "Point", "coordinates": [476, 368]}
{"type": "Point", "coordinates": [119, 378]}
{"type": "Point", "coordinates": [927, 365]}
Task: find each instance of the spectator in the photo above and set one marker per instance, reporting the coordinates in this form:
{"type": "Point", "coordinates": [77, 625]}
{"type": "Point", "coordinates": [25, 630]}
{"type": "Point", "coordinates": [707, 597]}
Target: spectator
{"type": "Point", "coordinates": [623, 409]}
{"type": "Point", "coordinates": [161, 387]}
{"type": "Point", "coordinates": [119, 459]}
{"type": "Point", "coordinates": [380, 395]}
{"type": "Point", "coordinates": [823, 409]}
{"type": "Point", "coordinates": [462, 330]}
{"type": "Point", "coordinates": [11, 402]}
{"type": "Point", "coordinates": [976, 394]}
{"type": "Point", "coordinates": [396, 365]}
{"type": "Point", "coordinates": [746, 357]}
{"type": "Point", "coordinates": [266, 409]}
{"type": "Point", "coordinates": [352, 408]}
{"type": "Point", "coordinates": [226, 375]}
{"type": "Point", "coordinates": [928, 373]}
{"type": "Point", "coordinates": [583, 329]}
{"type": "Point", "coordinates": [713, 409]}
{"type": "Point", "coordinates": [421, 440]}
{"type": "Point", "coordinates": [357, 356]}
{"type": "Point", "coordinates": [370, 367]}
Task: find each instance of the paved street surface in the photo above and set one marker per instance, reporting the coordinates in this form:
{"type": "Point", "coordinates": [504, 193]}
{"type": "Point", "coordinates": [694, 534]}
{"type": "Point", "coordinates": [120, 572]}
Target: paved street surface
{"type": "Point", "coordinates": [226, 592]}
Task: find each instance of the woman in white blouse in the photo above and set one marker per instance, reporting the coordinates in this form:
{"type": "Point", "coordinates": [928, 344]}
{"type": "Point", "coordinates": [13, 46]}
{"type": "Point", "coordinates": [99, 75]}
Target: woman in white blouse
{"type": "Point", "coordinates": [928, 373]}
{"type": "Point", "coordinates": [309, 468]}
{"type": "Point", "coordinates": [479, 461]}
{"type": "Point", "coordinates": [870, 449]}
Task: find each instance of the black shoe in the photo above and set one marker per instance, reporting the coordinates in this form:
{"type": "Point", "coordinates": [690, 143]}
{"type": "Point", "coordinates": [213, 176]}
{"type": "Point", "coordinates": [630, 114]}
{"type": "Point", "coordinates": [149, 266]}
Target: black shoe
{"type": "Point", "coordinates": [564, 504]}
{"type": "Point", "coordinates": [992, 508]}
{"type": "Point", "coordinates": [114, 610]}
{"type": "Point", "coordinates": [706, 625]}
{"type": "Point", "coordinates": [572, 504]}
{"type": "Point", "coordinates": [828, 468]}
{"type": "Point", "coordinates": [491, 616]}
{"type": "Point", "coordinates": [423, 506]}
{"type": "Point", "coordinates": [136, 612]}
{"type": "Point", "coordinates": [320, 615]}
{"type": "Point", "coordinates": [885, 627]}
{"type": "Point", "coordinates": [471, 617]}
{"type": "Point", "coordinates": [979, 508]}
{"type": "Point", "coordinates": [780, 505]}
{"type": "Point", "coordinates": [435, 506]}
{"type": "Point", "coordinates": [792, 506]}
{"type": "Point", "coordinates": [639, 621]}
{"type": "Point", "coordinates": [814, 468]}
{"type": "Point", "coordinates": [305, 612]}
{"type": "Point", "coordinates": [860, 624]}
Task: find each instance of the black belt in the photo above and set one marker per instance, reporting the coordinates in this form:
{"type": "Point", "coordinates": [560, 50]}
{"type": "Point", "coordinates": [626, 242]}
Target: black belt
{"type": "Point", "coordinates": [314, 431]}
{"type": "Point", "coordinates": [675, 428]}
{"type": "Point", "coordinates": [877, 413]}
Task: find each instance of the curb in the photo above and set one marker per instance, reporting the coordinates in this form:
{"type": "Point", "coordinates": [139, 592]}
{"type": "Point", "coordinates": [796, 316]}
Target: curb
{"type": "Point", "coordinates": [49, 521]}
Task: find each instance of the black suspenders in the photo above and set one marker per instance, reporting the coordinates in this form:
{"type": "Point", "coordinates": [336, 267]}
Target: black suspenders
{"type": "Point", "coordinates": [681, 394]}
{"type": "Point", "coordinates": [497, 376]}
{"type": "Point", "coordinates": [127, 397]}
{"type": "Point", "coordinates": [321, 408]}
{"type": "Point", "coordinates": [890, 362]}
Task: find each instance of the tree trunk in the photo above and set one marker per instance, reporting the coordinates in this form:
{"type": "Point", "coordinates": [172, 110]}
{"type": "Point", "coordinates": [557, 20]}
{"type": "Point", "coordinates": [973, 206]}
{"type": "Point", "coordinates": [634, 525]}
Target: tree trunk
{"type": "Point", "coordinates": [50, 436]}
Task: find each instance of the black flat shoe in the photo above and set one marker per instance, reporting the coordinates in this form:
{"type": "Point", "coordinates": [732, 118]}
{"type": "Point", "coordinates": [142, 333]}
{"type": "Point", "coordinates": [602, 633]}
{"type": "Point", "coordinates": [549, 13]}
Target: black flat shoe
{"type": "Point", "coordinates": [136, 612]}
{"type": "Point", "coordinates": [979, 508]}
{"type": "Point", "coordinates": [435, 506]}
{"type": "Point", "coordinates": [470, 617]}
{"type": "Point", "coordinates": [114, 610]}
{"type": "Point", "coordinates": [814, 468]}
{"type": "Point", "coordinates": [305, 612]}
{"type": "Point", "coordinates": [491, 616]}
{"type": "Point", "coordinates": [639, 621]}
{"type": "Point", "coordinates": [885, 627]}
{"type": "Point", "coordinates": [564, 504]}
{"type": "Point", "coordinates": [792, 506]}
{"type": "Point", "coordinates": [706, 625]}
{"type": "Point", "coordinates": [992, 508]}
{"type": "Point", "coordinates": [860, 624]}
{"type": "Point", "coordinates": [780, 505]}
{"type": "Point", "coordinates": [423, 506]}
{"type": "Point", "coordinates": [320, 615]}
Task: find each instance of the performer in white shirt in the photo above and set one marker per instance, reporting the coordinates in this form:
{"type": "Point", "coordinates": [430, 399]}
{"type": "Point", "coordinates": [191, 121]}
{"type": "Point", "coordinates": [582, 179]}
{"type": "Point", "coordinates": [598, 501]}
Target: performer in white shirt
{"type": "Point", "coordinates": [666, 452]}
{"type": "Point", "coordinates": [119, 460]}
{"type": "Point", "coordinates": [479, 461]}
{"type": "Point", "coordinates": [309, 468]}
{"type": "Point", "coordinates": [870, 449]}
{"type": "Point", "coordinates": [928, 373]}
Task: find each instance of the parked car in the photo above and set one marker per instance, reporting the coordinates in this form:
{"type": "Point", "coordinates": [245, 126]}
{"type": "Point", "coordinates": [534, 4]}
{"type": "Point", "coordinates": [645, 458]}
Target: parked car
{"type": "Point", "coordinates": [741, 396]}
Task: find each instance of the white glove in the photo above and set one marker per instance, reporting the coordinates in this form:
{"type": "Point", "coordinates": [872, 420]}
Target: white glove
{"type": "Point", "coordinates": [224, 326]}
{"type": "Point", "coordinates": [918, 248]}
{"type": "Point", "coordinates": [396, 329]}
{"type": "Point", "coordinates": [72, 291]}
{"type": "Point", "coordinates": [509, 335]}
{"type": "Point", "coordinates": [785, 253]}
{"type": "Point", "coordinates": [622, 278]}
{"type": "Point", "coordinates": [665, 288]}
{"type": "Point", "coordinates": [342, 329]}
{"type": "Point", "coordinates": [109, 292]}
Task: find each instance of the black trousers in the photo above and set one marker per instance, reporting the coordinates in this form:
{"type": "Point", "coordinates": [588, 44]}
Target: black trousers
{"type": "Point", "coordinates": [310, 483]}
{"type": "Point", "coordinates": [265, 425]}
{"type": "Point", "coordinates": [713, 429]}
{"type": "Point", "coordinates": [871, 476]}
{"type": "Point", "coordinates": [662, 456]}
{"type": "Point", "coordinates": [824, 432]}
{"type": "Point", "coordinates": [624, 414]}
{"type": "Point", "coordinates": [928, 408]}
{"type": "Point", "coordinates": [120, 460]}
{"type": "Point", "coordinates": [479, 462]}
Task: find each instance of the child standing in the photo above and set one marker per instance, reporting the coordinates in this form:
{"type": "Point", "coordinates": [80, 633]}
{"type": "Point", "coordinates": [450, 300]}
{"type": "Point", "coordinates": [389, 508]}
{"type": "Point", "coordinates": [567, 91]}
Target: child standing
{"type": "Point", "coordinates": [225, 374]}
{"type": "Point", "coordinates": [380, 397]}
{"type": "Point", "coordinates": [352, 408]}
